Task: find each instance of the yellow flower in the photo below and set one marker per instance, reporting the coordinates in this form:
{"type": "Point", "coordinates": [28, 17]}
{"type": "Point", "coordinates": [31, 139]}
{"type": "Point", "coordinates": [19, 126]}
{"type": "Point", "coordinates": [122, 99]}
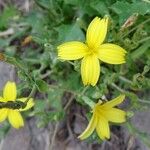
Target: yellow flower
{"type": "Point", "coordinates": [92, 51]}
{"type": "Point", "coordinates": [14, 116]}
{"type": "Point", "coordinates": [102, 114]}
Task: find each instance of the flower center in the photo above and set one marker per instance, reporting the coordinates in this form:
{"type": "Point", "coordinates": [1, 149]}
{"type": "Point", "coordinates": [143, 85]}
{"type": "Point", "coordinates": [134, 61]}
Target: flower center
{"type": "Point", "coordinates": [93, 51]}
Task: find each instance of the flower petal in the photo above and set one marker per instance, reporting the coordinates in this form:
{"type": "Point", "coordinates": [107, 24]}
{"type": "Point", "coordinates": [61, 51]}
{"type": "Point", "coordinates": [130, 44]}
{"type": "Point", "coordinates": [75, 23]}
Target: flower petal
{"type": "Point", "coordinates": [90, 70]}
{"type": "Point", "coordinates": [10, 91]}
{"type": "Point", "coordinates": [90, 128]}
{"type": "Point", "coordinates": [114, 102]}
{"type": "Point", "coordinates": [72, 50]}
{"type": "Point", "coordinates": [111, 53]}
{"type": "Point", "coordinates": [2, 99]}
{"type": "Point", "coordinates": [30, 103]}
{"type": "Point", "coordinates": [115, 115]}
{"type": "Point", "coordinates": [102, 128]}
{"type": "Point", "coordinates": [15, 119]}
{"type": "Point", "coordinates": [96, 32]}
{"type": "Point", "coordinates": [3, 114]}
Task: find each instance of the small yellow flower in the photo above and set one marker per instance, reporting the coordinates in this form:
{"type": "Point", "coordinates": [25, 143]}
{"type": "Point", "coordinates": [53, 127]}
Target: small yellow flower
{"type": "Point", "coordinates": [92, 51]}
{"type": "Point", "coordinates": [14, 116]}
{"type": "Point", "coordinates": [102, 114]}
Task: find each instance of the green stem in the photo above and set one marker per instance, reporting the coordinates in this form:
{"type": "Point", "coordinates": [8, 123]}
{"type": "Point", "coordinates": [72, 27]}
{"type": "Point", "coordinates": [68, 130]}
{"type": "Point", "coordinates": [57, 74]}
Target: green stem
{"type": "Point", "coordinates": [144, 101]}
{"type": "Point", "coordinates": [118, 88]}
{"type": "Point", "coordinates": [33, 91]}
{"type": "Point", "coordinates": [32, 60]}
{"type": "Point", "coordinates": [146, 21]}
{"type": "Point", "coordinates": [125, 79]}
{"type": "Point", "coordinates": [143, 40]}
{"type": "Point", "coordinates": [84, 90]}
{"type": "Point", "coordinates": [46, 74]}
{"type": "Point", "coordinates": [14, 62]}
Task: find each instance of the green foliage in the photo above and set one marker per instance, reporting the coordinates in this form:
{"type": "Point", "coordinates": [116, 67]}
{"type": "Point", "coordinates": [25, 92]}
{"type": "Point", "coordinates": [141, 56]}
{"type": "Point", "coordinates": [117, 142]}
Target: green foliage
{"type": "Point", "coordinates": [69, 33]}
{"type": "Point", "coordinates": [7, 16]}
{"type": "Point", "coordinates": [125, 9]}
{"type": "Point", "coordinates": [53, 22]}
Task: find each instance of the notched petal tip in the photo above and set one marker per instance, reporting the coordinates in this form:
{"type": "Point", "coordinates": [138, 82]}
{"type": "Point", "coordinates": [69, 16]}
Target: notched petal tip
{"type": "Point", "coordinates": [122, 96]}
{"type": "Point", "coordinates": [90, 70]}
{"type": "Point", "coordinates": [96, 18]}
{"type": "Point", "coordinates": [106, 19]}
{"type": "Point", "coordinates": [15, 119]}
{"type": "Point", "coordinates": [102, 128]}
{"type": "Point", "coordinates": [60, 46]}
{"type": "Point", "coordinates": [80, 137]}
{"type": "Point", "coordinates": [114, 102]}
{"type": "Point", "coordinates": [96, 32]}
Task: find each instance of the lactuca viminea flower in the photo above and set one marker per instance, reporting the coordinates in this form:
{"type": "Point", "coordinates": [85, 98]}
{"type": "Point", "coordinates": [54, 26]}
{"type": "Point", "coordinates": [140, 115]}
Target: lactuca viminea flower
{"type": "Point", "coordinates": [102, 115]}
{"type": "Point", "coordinates": [13, 115]}
{"type": "Point", "coordinates": [92, 51]}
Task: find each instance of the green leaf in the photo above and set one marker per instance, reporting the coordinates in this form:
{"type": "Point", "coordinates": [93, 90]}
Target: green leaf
{"type": "Point", "coordinates": [54, 97]}
{"type": "Point", "coordinates": [140, 51]}
{"type": "Point", "coordinates": [70, 33]}
{"type": "Point", "coordinates": [125, 9]}
{"type": "Point", "coordinates": [144, 8]}
{"type": "Point", "coordinates": [55, 116]}
{"type": "Point", "coordinates": [72, 81]}
{"type": "Point", "coordinates": [43, 3]}
{"type": "Point", "coordinates": [42, 85]}
{"type": "Point", "coordinates": [100, 7]}
{"type": "Point", "coordinates": [72, 2]}
{"type": "Point", "coordinates": [88, 101]}
{"type": "Point", "coordinates": [40, 106]}
{"type": "Point", "coordinates": [7, 15]}
{"type": "Point", "coordinates": [4, 42]}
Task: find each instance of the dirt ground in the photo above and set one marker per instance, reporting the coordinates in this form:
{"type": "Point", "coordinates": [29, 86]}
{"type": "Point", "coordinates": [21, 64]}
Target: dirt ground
{"type": "Point", "coordinates": [31, 137]}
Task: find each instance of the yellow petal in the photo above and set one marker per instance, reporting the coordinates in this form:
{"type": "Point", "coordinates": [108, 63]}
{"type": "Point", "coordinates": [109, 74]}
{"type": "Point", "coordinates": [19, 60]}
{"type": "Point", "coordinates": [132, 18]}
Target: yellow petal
{"type": "Point", "coordinates": [72, 50]}
{"type": "Point", "coordinates": [15, 119]}
{"type": "Point", "coordinates": [115, 115]}
{"type": "Point", "coordinates": [96, 32]}
{"type": "Point", "coordinates": [90, 70]}
{"type": "Point", "coordinates": [2, 99]}
{"type": "Point", "coordinates": [111, 53]}
{"type": "Point", "coordinates": [90, 128]}
{"type": "Point", "coordinates": [3, 114]}
{"type": "Point", "coordinates": [102, 128]}
{"type": "Point", "coordinates": [114, 102]}
{"type": "Point", "coordinates": [10, 91]}
{"type": "Point", "coordinates": [30, 103]}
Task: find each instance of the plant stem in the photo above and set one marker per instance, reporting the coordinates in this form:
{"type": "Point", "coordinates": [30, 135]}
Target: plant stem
{"type": "Point", "coordinates": [144, 101]}
{"type": "Point", "coordinates": [146, 21]}
{"type": "Point", "coordinates": [118, 88]}
{"type": "Point", "coordinates": [57, 124]}
{"type": "Point", "coordinates": [46, 74]}
{"type": "Point", "coordinates": [54, 136]}
{"type": "Point", "coordinates": [143, 40]}
{"type": "Point", "coordinates": [125, 79]}
{"type": "Point", "coordinates": [31, 94]}
{"type": "Point", "coordinates": [69, 102]}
